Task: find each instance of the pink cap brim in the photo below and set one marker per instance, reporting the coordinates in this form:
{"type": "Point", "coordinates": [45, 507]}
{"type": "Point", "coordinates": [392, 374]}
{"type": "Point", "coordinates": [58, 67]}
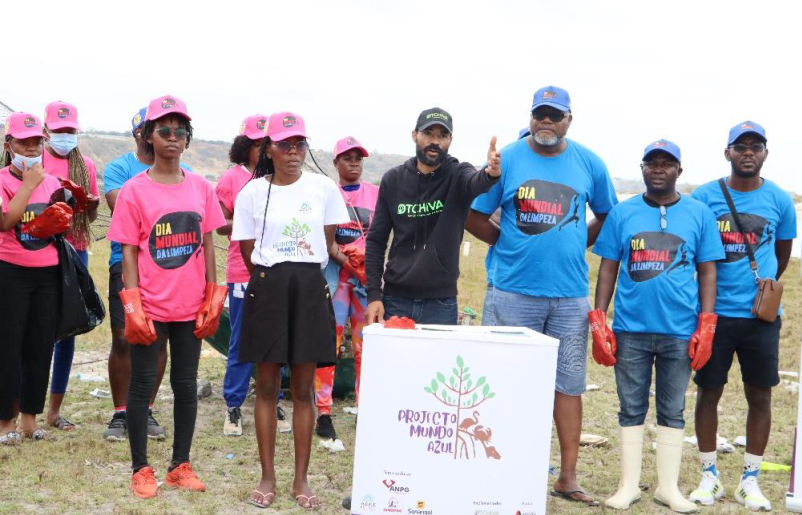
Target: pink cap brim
{"type": "Point", "coordinates": [61, 125]}
{"type": "Point", "coordinates": [255, 135]}
{"type": "Point", "coordinates": [346, 149]}
{"type": "Point", "coordinates": [26, 134]}
{"type": "Point", "coordinates": [179, 113]}
{"type": "Point", "coordinates": [281, 136]}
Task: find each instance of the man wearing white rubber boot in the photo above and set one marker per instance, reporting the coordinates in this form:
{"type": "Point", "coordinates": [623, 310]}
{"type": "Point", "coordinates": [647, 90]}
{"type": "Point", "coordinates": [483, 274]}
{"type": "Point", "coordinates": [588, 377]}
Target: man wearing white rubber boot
{"type": "Point", "coordinates": [659, 240]}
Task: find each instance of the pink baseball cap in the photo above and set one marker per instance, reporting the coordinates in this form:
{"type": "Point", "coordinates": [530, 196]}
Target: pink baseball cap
{"type": "Point", "coordinates": [165, 105]}
{"type": "Point", "coordinates": [253, 126]}
{"type": "Point", "coordinates": [60, 114]}
{"type": "Point", "coordinates": [346, 144]}
{"type": "Point", "coordinates": [285, 125]}
{"type": "Point", "coordinates": [23, 125]}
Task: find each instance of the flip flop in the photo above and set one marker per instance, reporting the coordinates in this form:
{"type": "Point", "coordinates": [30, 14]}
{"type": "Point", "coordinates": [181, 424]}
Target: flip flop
{"type": "Point", "coordinates": [37, 435]}
{"type": "Point", "coordinates": [569, 496]}
{"type": "Point", "coordinates": [264, 496]}
{"type": "Point", "coordinates": [11, 438]}
{"type": "Point", "coordinates": [308, 504]}
{"type": "Point", "coordinates": [62, 424]}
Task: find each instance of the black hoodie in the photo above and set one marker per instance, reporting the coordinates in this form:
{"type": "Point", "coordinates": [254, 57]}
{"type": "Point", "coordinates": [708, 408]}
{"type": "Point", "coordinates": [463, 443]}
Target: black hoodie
{"type": "Point", "coordinates": [426, 213]}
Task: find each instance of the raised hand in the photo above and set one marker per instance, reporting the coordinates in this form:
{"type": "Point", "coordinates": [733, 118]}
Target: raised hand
{"type": "Point", "coordinates": [493, 159]}
{"type": "Point", "coordinates": [33, 176]}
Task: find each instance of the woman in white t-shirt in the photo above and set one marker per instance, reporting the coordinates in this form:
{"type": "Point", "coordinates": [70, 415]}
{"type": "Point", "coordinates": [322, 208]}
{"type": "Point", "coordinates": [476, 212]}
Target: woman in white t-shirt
{"type": "Point", "coordinates": [285, 220]}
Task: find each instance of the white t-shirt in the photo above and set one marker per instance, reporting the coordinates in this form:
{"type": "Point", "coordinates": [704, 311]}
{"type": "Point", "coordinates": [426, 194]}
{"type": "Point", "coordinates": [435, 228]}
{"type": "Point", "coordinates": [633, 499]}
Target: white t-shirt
{"type": "Point", "coordinates": [296, 215]}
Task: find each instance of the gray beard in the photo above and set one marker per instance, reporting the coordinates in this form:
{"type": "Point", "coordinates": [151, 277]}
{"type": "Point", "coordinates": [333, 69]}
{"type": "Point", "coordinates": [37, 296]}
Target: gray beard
{"type": "Point", "coordinates": [547, 142]}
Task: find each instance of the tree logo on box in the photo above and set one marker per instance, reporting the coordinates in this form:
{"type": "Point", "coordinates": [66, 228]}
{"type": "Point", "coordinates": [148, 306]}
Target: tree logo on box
{"type": "Point", "coordinates": [461, 392]}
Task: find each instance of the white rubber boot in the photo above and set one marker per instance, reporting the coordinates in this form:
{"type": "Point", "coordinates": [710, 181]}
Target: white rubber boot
{"type": "Point", "coordinates": [631, 460]}
{"type": "Point", "coordinates": [669, 459]}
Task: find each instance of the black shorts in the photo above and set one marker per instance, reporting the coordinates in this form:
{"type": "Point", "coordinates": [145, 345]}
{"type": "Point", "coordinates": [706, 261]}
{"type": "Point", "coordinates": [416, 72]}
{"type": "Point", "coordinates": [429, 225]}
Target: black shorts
{"type": "Point", "coordinates": [116, 313]}
{"type": "Point", "coordinates": [757, 344]}
{"type": "Point", "coordinates": [287, 317]}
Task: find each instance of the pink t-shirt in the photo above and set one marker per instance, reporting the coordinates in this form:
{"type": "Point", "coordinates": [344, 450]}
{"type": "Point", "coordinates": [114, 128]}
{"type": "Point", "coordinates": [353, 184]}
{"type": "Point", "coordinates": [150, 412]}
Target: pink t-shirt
{"type": "Point", "coordinates": [23, 249]}
{"type": "Point", "coordinates": [228, 186]}
{"type": "Point", "coordinates": [167, 222]}
{"type": "Point", "coordinates": [360, 204]}
{"type": "Point", "coordinates": [60, 169]}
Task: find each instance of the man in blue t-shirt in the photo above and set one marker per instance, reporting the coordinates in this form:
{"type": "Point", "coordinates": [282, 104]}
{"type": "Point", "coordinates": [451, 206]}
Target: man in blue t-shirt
{"type": "Point", "coordinates": [768, 225]}
{"type": "Point", "coordinates": [659, 240]}
{"type": "Point", "coordinates": [540, 277]}
{"type": "Point", "coordinates": [117, 173]}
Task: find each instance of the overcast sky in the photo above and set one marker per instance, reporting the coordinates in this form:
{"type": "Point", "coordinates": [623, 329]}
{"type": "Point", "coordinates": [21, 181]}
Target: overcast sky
{"type": "Point", "coordinates": [636, 70]}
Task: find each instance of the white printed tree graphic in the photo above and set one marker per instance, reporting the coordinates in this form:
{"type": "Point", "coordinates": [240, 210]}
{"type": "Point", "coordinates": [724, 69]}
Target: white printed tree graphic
{"type": "Point", "coordinates": [296, 230]}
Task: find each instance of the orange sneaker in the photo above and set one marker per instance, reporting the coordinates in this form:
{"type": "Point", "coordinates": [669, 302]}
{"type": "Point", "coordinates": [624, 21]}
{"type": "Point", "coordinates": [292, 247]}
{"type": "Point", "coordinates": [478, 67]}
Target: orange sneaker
{"type": "Point", "coordinates": [184, 477]}
{"type": "Point", "coordinates": [143, 483]}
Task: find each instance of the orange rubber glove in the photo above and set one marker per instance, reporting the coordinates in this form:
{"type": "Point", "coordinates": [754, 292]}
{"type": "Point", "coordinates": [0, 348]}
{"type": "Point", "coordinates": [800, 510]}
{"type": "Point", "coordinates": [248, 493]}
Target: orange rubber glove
{"type": "Point", "coordinates": [355, 264]}
{"type": "Point", "coordinates": [399, 323]}
{"type": "Point", "coordinates": [208, 318]}
{"type": "Point", "coordinates": [700, 348]}
{"type": "Point", "coordinates": [78, 193]}
{"type": "Point", "coordinates": [54, 219]}
{"type": "Point", "coordinates": [604, 344]}
{"type": "Point", "coordinates": [139, 328]}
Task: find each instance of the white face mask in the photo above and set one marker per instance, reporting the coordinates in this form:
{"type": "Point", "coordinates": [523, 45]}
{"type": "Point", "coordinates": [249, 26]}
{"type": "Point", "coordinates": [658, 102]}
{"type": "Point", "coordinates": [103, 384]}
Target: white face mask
{"type": "Point", "coordinates": [18, 161]}
{"type": "Point", "coordinates": [63, 143]}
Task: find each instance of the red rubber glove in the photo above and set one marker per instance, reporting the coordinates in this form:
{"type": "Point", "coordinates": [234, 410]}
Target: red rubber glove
{"type": "Point", "coordinates": [700, 348]}
{"type": "Point", "coordinates": [78, 193]}
{"type": "Point", "coordinates": [604, 344]}
{"type": "Point", "coordinates": [138, 326]}
{"type": "Point", "coordinates": [208, 318]}
{"type": "Point", "coordinates": [399, 323]}
{"type": "Point", "coordinates": [355, 264]}
{"type": "Point", "coordinates": [54, 219]}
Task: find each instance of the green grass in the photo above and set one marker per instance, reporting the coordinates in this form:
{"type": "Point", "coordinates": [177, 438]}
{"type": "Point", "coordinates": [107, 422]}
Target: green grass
{"type": "Point", "coordinates": [80, 473]}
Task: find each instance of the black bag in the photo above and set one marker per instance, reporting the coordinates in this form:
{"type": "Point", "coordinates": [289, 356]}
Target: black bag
{"type": "Point", "coordinates": [81, 307]}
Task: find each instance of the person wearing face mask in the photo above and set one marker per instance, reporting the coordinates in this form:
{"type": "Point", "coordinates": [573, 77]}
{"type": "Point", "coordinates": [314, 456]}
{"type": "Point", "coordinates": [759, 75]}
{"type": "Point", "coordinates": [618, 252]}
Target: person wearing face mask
{"type": "Point", "coordinates": [30, 276]}
{"type": "Point", "coordinates": [548, 182]}
{"type": "Point", "coordinates": [164, 220]}
{"type": "Point", "coordinates": [424, 203]}
{"type": "Point", "coordinates": [345, 272]}
{"type": "Point", "coordinates": [285, 221]}
{"type": "Point", "coordinates": [62, 159]}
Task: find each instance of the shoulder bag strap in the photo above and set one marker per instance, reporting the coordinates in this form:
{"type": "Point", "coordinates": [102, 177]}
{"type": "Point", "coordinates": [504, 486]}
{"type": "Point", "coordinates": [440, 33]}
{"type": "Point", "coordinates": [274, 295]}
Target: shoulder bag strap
{"type": "Point", "coordinates": [736, 218]}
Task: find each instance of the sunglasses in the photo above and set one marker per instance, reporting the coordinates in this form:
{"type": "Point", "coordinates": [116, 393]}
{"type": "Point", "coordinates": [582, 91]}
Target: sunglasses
{"type": "Point", "coordinates": [284, 146]}
{"type": "Point", "coordinates": [554, 116]}
{"type": "Point", "coordinates": [663, 221]}
{"type": "Point", "coordinates": [166, 132]}
{"type": "Point", "coordinates": [756, 148]}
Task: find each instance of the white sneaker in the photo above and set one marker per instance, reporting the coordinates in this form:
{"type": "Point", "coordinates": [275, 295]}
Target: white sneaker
{"type": "Point", "coordinates": [233, 424]}
{"type": "Point", "coordinates": [710, 490]}
{"type": "Point", "coordinates": [749, 494]}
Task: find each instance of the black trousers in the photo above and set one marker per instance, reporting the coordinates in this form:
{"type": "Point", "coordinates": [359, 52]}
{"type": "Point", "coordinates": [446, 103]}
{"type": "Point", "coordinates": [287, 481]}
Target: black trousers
{"type": "Point", "coordinates": [184, 357]}
{"type": "Point", "coordinates": [29, 305]}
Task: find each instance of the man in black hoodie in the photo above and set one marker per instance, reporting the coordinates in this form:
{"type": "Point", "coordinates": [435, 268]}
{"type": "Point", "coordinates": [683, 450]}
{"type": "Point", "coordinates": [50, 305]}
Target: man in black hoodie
{"type": "Point", "coordinates": [424, 202]}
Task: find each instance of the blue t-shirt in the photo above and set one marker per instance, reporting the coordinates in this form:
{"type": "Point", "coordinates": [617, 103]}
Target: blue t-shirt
{"type": "Point", "coordinates": [115, 175]}
{"type": "Point", "coordinates": [768, 215]}
{"type": "Point", "coordinates": [541, 249]}
{"type": "Point", "coordinates": [657, 290]}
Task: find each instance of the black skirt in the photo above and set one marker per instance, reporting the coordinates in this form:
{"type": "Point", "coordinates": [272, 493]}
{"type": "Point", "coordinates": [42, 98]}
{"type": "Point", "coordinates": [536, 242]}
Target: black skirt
{"type": "Point", "coordinates": [287, 317]}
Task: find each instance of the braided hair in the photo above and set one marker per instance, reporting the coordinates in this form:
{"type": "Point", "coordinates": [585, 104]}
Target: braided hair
{"type": "Point", "coordinates": [265, 165]}
{"type": "Point", "coordinates": [5, 157]}
{"type": "Point", "coordinates": [79, 227]}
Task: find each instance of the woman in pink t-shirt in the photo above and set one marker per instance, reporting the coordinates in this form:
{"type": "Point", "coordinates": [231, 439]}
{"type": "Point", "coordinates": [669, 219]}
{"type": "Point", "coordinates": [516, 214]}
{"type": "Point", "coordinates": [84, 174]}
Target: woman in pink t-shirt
{"type": "Point", "coordinates": [164, 220]}
{"type": "Point", "coordinates": [345, 272]}
{"type": "Point", "coordinates": [63, 160]}
{"type": "Point", "coordinates": [29, 274]}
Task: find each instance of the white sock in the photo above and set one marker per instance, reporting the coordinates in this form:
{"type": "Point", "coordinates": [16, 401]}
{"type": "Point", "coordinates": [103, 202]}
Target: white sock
{"type": "Point", "coordinates": [751, 465]}
{"type": "Point", "coordinates": [709, 462]}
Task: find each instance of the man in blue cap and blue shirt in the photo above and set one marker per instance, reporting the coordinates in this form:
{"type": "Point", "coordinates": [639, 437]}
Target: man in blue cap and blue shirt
{"type": "Point", "coordinates": [540, 276]}
{"type": "Point", "coordinates": [664, 317]}
{"type": "Point", "coordinates": [768, 226]}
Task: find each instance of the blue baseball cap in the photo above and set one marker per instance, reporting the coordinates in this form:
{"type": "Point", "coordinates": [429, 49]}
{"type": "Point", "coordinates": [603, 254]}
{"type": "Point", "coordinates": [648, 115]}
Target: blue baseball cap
{"type": "Point", "coordinates": [138, 120]}
{"type": "Point", "coordinates": [746, 127]}
{"type": "Point", "coordinates": [552, 96]}
{"type": "Point", "coordinates": [662, 145]}
{"type": "Point", "coordinates": [523, 133]}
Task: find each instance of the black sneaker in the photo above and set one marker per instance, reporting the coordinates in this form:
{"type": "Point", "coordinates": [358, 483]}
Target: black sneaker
{"type": "Point", "coordinates": [118, 427]}
{"type": "Point", "coordinates": [347, 502]}
{"type": "Point", "coordinates": [324, 427]}
{"type": "Point", "coordinates": [280, 415]}
{"type": "Point", "coordinates": [155, 431]}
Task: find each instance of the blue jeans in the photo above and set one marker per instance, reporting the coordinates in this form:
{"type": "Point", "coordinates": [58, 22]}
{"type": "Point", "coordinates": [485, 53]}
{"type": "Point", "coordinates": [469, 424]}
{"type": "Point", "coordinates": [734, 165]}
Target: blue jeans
{"type": "Point", "coordinates": [238, 375]}
{"type": "Point", "coordinates": [488, 312]}
{"type": "Point", "coordinates": [64, 351]}
{"type": "Point", "coordinates": [636, 354]}
{"type": "Point", "coordinates": [423, 311]}
{"type": "Point", "coordinates": [564, 318]}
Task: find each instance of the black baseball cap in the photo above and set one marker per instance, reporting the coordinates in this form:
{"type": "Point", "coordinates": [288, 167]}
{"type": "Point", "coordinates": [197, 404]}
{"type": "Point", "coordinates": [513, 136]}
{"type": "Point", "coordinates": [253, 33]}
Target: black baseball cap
{"type": "Point", "coordinates": [434, 116]}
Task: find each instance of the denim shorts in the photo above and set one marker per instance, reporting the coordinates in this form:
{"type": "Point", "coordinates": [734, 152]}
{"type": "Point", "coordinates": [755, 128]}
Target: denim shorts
{"type": "Point", "coordinates": [637, 354]}
{"type": "Point", "coordinates": [564, 318]}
